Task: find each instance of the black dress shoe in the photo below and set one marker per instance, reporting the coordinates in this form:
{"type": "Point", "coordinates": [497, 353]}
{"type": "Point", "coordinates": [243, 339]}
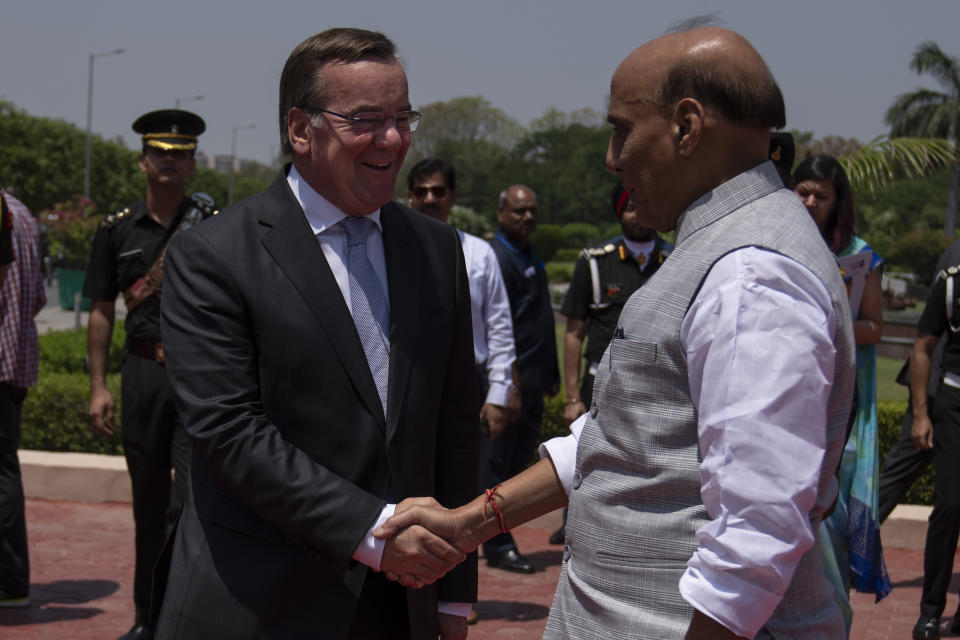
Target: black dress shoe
{"type": "Point", "coordinates": [559, 536]}
{"type": "Point", "coordinates": [138, 632]}
{"type": "Point", "coordinates": [927, 628]}
{"type": "Point", "coordinates": [510, 560]}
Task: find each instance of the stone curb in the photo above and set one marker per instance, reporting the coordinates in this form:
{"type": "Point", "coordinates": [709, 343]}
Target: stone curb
{"type": "Point", "coordinates": [78, 477]}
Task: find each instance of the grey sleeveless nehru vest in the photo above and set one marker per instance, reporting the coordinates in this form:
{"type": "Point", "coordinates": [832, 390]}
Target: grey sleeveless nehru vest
{"type": "Point", "coordinates": [635, 504]}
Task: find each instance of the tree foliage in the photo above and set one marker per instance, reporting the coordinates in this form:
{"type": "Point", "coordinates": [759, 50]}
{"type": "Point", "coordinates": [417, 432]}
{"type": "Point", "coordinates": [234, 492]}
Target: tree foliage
{"type": "Point", "coordinates": [930, 113]}
{"type": "Point", "coordinates": [919, 251]}
{"type": "Point", "coordinates": [560, 156]}
{"type": "Point", "coordinates": [42, 163]}
{"type": "Point", "coordinates": [883, 160]}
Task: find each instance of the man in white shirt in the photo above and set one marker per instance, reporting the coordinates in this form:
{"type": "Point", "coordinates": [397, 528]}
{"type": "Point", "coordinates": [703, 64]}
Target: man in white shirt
{"type": "Point", "coordinates": [698, 477]}
{"type": "Point", "coordinates": [432, 190]}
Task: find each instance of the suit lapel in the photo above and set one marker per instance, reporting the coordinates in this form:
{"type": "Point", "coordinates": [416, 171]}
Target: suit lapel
{"type": "Point", "coordinates": [403, 265]}
{"type": "Point", "coordinates": [291, 243]}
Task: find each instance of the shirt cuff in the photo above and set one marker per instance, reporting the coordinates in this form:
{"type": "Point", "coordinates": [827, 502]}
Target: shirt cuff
{"type": "Point", "coordinates": [738, 605]}
{"type": "Point", "coordinates": [563, 452]}
{"type": "Point", "coordinates": [461, 609]}
{"type": "Point", "coordinates": [498, 393]}
{"type": "Point", "coordinates": [370, 549]}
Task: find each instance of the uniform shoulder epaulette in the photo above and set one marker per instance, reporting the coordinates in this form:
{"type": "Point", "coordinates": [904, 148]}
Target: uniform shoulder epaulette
{"type": "Point", "coordinates": [204, 203]}
{"type": "Point", "coordinates": [949, 271]}
{"type": "Point", "coordinates": [115, 217]}
{"type": "Point", "coordinates": [600, 251]}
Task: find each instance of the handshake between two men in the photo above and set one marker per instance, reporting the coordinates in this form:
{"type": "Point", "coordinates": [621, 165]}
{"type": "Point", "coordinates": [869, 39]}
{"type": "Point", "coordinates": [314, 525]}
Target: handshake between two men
{"type": "Point", "coordinates": [426, 540]}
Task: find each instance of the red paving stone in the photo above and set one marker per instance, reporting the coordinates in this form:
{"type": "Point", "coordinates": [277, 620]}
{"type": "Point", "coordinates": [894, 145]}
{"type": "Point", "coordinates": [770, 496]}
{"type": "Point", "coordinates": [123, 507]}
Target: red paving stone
{"type": "Point", "coordinates": [82, 568]}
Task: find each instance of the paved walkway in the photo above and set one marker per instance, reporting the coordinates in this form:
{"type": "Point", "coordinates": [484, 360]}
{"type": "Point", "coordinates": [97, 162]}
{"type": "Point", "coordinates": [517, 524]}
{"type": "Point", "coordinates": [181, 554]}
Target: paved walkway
{"type": "Point", "coordinates": [82, 565]}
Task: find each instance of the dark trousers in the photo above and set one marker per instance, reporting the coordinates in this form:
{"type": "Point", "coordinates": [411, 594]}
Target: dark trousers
{"type": "Point", "coordinates": [944, 525]}
{"type": "Point", "coordinates": [510, 453]}
{"type": "Point", "coordinates": [903, 464]}
{"type": "Point", "coordinates": [14, 563]}
{"type": "Point", "coordinates": [153, 442]}
{"type": "Point", "coordinates": [381, 612]}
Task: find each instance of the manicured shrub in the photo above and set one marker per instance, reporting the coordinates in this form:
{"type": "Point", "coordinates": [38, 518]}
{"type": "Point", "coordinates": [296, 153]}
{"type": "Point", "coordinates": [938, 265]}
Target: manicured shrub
{"type": "Point", "coordinates": [559, 272]}
{"type": "Point", "coordinates": [66, 351]}
{"type": "Point", "coordinates": [55, 415]}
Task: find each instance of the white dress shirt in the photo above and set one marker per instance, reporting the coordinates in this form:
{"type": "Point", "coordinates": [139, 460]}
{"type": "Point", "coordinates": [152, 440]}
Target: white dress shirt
{"type": "Point", "coordinates": [760, 354]}
{"type": "Point", "coordinates": [490, 310]}
{"type": "Point", "coordinates": [324, 219]}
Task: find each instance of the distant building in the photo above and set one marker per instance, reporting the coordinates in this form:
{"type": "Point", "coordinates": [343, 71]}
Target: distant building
{"type": "Point", "coordinates": [221, 163]}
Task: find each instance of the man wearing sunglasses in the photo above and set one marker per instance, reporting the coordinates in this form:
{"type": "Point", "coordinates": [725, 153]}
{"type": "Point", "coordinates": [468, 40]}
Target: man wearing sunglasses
{"type": "Point", "coordinates": [432, 190]}
{"type": "Point", "coordinates": [318, 339]}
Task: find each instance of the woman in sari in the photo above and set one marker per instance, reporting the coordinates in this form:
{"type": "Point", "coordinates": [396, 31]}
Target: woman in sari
{"type": "Point", "coordinates": [850, 536]}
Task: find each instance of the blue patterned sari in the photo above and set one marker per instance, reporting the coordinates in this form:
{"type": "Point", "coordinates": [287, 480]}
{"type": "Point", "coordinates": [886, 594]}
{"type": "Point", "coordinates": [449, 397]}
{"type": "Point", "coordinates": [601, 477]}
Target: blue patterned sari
{"type": "Point", "coordinates": [850, 537]}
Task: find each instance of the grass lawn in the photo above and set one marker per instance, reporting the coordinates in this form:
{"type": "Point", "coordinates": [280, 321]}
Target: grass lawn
{"type": "Point", "coordinates": [887, 388]}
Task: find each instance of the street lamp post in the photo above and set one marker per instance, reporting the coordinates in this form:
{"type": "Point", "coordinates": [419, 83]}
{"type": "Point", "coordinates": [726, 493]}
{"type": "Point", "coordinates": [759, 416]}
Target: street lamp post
{"type": "Point", "coordinates": [86, 153]}
{"type": "Point", "coordinates": [176, 103]}
{"type": "Point", "coordinates": [233, 159]}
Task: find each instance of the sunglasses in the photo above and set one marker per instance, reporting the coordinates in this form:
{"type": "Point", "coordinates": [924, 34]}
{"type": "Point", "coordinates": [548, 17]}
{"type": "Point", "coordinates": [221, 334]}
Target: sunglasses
{"type": "Point", "coordinates": [438, 191]}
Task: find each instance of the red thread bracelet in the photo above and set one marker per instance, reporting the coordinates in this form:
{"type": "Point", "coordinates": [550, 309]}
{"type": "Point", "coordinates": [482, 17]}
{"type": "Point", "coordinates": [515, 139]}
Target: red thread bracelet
{"type": "Point", "coordinates": [493, 504]}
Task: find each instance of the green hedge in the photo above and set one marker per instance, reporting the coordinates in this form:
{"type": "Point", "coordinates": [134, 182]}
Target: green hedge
{"type": "Point", "coordinates": [66, 351]}
{"type": "Point", "coordinates": [560, 271]}
{"type": "Point", "coordinates": [55, 412]}
{"type": "Point", "coordinates": [55, 416]}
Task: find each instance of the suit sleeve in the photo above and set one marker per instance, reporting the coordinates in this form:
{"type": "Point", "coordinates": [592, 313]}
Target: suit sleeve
{"type": "Point", "coordinates": [213, 364]}
{"type": "Point", "coordinates": [458, 434]}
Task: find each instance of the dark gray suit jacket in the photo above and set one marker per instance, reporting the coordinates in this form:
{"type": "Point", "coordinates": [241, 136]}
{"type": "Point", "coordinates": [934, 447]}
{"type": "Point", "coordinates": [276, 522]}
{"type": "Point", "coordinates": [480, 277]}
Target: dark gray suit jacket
{"type": "Point", "coordinates": [293, 459]}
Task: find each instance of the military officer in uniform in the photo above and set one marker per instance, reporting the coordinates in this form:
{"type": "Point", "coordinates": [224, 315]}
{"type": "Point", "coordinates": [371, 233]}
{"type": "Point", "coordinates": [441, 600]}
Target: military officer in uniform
{"type": "Point", "coordinates": [127, 259]}
{"type": "Point", "coordinates": [603, 279]}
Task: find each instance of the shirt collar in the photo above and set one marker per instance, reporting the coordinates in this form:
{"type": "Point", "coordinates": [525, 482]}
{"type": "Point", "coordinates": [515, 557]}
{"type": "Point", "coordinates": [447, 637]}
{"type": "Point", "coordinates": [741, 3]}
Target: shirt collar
{"type": "Point", "coordinates": [636, 248]}
{"type": "Point", "coordinates": [320, 212]}
{"type": "Point", "coordinates": [749, 186]}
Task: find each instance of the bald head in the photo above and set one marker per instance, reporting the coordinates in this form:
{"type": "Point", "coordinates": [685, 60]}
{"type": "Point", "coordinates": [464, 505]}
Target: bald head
{"type": "Point", "coordinates": [517, 213]}
{"type": "Point", "coordinates": [690, 111]}
{"type": "Point", "coordinates": [724, 72]}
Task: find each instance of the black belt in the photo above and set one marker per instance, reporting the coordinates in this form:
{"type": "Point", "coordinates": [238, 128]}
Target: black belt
{"type": "Point", "coordinates": [145, 349]}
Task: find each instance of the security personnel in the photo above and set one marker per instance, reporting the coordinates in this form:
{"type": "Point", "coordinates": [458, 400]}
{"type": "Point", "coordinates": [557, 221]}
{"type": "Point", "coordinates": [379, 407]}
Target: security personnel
{"type": "Point", "coordinates": [127, 259]}
{"type": "Point", "coordinates": [938, 428]}
{"type": "Point", "coordinates": [603, 279]}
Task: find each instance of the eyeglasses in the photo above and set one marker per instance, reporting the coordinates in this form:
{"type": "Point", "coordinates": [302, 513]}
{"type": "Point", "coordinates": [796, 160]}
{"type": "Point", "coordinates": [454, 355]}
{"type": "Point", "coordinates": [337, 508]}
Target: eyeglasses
{"type": "Point", "coordinates": [438, 191]}
{"type": "Point", "coordinates": [368, 122]}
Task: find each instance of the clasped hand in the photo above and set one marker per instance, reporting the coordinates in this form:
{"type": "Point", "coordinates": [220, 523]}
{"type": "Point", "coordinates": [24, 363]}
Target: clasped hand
{"type": "Point", "coordinates": [421, 543]}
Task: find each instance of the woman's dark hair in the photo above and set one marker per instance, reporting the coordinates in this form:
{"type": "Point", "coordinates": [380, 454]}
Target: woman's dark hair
{"type": "Point", "coordinates": [841, 224]}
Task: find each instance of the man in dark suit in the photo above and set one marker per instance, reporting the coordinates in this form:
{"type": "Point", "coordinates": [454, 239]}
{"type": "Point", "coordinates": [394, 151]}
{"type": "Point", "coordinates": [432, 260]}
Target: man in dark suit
{"type": "Point", "coordinates": [319, 343]}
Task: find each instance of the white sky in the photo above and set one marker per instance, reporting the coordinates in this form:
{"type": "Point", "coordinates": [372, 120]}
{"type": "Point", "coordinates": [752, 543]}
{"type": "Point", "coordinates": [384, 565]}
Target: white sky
{"type": "Point", "coordinates": [839, 62]}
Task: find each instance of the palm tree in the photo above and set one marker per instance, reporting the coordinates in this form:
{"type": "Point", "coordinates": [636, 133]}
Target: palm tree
{"type": "Point", "coordinates": [882, 161]}
{"type": "Point", "coordinates": [930, 113]}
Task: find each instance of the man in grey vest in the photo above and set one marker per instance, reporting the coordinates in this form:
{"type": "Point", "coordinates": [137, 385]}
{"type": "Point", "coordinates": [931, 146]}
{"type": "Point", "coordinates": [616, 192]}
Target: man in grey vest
{"type": "Point", "coordinates": [698, 477]}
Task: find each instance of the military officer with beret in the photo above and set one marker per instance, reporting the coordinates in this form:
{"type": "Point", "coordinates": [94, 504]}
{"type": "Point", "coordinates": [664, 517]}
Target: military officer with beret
{"type": "Point", "coordinates": [127, 259]}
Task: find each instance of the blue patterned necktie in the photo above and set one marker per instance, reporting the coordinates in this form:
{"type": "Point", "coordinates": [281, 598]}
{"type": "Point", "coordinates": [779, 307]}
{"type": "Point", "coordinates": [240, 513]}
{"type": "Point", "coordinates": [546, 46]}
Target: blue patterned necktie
{"type": "Point", "coordinates": [368, 305]}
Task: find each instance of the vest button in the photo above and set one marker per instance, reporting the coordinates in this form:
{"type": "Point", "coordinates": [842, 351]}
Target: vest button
{"type": "Point", "coordinates": [577, 480]}
{"type": "Point", "coordinates": [566, 552]}
{"type": "Point", "coordinates": [594, 409]}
